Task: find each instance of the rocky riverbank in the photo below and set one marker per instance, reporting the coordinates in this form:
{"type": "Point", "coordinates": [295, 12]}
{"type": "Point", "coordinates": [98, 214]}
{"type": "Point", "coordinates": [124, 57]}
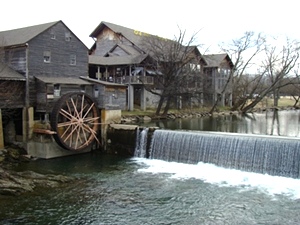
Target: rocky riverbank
{"type": "Point", "coordinates": [138, 118]}
{"type": "Point", "coordinates": [16, 183]}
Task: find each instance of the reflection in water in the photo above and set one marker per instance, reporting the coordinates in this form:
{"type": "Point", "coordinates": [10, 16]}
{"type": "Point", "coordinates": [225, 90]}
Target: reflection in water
{"type": "Point", "coordinates": [279, 123]}
{"type": "Point", "coordinates": [115, 190]}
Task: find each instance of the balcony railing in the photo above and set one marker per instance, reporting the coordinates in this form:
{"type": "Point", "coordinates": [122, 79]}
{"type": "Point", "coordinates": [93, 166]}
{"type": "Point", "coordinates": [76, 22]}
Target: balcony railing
{"type": "Point", "coordinates": [134, 80]}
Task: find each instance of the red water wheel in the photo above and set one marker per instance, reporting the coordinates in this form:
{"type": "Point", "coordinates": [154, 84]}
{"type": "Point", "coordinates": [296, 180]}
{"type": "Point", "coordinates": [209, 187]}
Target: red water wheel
{"type": "Point", "coordinates": [75, 119]}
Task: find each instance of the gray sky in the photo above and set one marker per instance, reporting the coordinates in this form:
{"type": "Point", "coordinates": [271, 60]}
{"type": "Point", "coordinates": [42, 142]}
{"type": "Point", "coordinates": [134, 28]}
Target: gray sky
{"type": "Point", "coordinates": [217, 20]}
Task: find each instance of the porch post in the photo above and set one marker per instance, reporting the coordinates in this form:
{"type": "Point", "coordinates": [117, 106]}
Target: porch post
{"type": "Point", "coordinates": [130, 97]}
{"type": "Point", "coordinates": [143, 99]}
{"type": "Point", "coordinates": [1, 132]}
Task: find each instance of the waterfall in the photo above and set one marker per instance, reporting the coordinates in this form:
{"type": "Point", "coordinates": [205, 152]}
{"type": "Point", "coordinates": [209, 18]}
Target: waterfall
{"type": "Point", "coordinates": [141, 143]}
{"type": "Point", "coordinates": [253, 153]}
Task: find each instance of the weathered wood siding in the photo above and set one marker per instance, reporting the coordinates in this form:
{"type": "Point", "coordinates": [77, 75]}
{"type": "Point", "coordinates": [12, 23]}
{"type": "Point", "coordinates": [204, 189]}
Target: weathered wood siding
{"type": "Point", "coordinates": [45, 98]}
{"type": "Point", "coordinates": [60, 50]}
{"type": "Point", "coordinates": [16, 59]}
{"type": "Point", "coordinates": [112, 97]}
{"type": "Point", "coordinates": [12, 94]}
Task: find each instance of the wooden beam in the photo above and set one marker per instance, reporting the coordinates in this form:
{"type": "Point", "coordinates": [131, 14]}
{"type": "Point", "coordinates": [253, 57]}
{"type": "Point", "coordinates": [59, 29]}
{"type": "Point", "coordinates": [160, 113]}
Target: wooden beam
{"type": "Point", "coordinates": [43, 131]}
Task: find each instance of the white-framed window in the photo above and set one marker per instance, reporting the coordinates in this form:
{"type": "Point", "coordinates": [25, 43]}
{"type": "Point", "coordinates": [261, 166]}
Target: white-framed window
{"type": "Point", "coordinates": [68, 36]}
{"type": "Point", "coordinates": [56, 90]}
{"type": "Point", "coordinates": [47, 56]}
{"type": "Point", "coordinates": [72, 60]}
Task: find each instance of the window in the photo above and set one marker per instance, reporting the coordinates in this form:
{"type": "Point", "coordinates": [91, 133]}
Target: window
{"type": "Point", "coordinates": [73, 60]}
{"type": "Point", "coordinates": [52, 35]}
{"type": "Point", "coordinates": [47, 56]}
{"type": "Point", "coordinates": [68, 36]}
{"type": "Point", "coordinates": [56, 90]}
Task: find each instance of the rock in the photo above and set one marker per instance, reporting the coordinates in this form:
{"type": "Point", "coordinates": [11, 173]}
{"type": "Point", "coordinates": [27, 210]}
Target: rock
{"type": "Point", "coordinates": [15, 183]}
{"type": "Point", "coordinates": [146, 119]}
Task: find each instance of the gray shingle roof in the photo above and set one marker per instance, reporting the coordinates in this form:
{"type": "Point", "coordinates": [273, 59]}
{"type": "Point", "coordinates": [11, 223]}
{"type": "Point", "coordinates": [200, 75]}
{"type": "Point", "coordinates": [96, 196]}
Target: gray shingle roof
{"type": "Point", "coordinates": [103, 82]}
{"type": "Point", "coordinates": [136, 37]}
{"type": "Point", "coordinates": [117, 60]}
{"type": "Point", "coordinates": [22, 35]}
{"type": "Point", "coordinates": [214, 60]}
{"type": "Point", "coordinates": [63, 80]}
{"type": "Point", "coordinates": [6, 73]}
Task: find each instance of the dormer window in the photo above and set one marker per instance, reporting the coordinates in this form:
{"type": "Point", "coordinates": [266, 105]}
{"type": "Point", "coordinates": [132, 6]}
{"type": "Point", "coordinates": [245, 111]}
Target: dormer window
{"type": "Point", "coordinates": [47, 56]}
{"type": "Point", "coordinates": [68, 36]}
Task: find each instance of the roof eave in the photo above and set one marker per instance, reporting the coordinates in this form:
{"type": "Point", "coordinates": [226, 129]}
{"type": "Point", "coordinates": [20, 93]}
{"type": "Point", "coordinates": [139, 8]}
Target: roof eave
{"type": "Point", "coordinates": [97, 30]}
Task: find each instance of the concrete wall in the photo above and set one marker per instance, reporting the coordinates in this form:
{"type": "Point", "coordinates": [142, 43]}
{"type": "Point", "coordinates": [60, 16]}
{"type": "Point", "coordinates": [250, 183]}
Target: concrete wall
{"type": "Point", "coordinates": [49, 150]}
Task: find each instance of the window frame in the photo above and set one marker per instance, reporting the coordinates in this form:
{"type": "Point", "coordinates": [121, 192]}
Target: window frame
{"type": "Point", "coordinates": [47, 56]}
{"type": "Point", "coordinates": [73, 60]}
{"type": "Point", "coordinates": [68, 36]}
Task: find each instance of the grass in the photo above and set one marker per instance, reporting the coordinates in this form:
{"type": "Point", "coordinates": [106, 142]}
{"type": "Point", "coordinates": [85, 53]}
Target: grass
{"type": "Point", "coordinates": [265, 103]}
{"type": "Point", "coordinates": [282, 102]}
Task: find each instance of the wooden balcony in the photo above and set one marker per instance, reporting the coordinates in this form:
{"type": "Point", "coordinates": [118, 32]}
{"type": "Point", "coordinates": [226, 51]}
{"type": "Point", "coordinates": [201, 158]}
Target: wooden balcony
{"type": "Point", "coordinates": [134, 80]}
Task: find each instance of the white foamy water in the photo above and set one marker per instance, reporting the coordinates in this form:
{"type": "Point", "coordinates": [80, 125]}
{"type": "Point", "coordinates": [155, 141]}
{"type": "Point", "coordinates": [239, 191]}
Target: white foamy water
{"type": "Point", "coordinates": [210, 173]}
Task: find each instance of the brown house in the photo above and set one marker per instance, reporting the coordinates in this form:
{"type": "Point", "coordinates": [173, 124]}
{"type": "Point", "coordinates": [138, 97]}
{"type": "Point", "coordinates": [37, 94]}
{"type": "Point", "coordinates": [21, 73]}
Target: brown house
{"type": "Point", "coordinates": [217, 85]}
{"type": "Point", "coordinates": [120, 55]}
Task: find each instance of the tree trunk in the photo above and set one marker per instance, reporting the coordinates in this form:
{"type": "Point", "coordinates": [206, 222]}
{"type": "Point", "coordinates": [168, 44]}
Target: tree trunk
{"type": "Point", "coordinates": [251, 105]}
{"type": "Point", "coordinates": [160, 103]}
{"type": "Point", "coordinates": [296, 101]}
{"type": "Point", "coordinates": [276, 97]}
{"type": "Point", "coordinates": [167, 107]}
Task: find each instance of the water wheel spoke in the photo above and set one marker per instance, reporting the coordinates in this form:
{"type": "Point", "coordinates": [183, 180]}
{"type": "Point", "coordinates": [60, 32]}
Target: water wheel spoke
{"type": "Point", "coordinates": [64, 124]}
{"type": "Point", "coordinates": [67, 130]}
{"type": "Point", "coordinates": [90, 120]}
{"type": "Point", "coordinates": [68, 106]}
{"type": "Point", "coordinates": [82, 104]}
{"type": "Point", "coordinates": [76, 114]}
{"type": "Point", "coordinates": [91, 131]}
{"type": "Point", "coordinates": [78, 137]}
{"type": "Point", "coordinates": [85, 136]}
{"type": "Point", "coordinates": [67, 115]}
{"type": "Point", "coordinates": [71, 133]}
{"type": "Point", "coordinates": [92, 105]}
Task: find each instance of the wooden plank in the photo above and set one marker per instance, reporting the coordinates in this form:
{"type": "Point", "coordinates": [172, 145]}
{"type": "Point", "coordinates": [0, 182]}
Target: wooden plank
{"type": "Point", "coordinates": [43, 131]}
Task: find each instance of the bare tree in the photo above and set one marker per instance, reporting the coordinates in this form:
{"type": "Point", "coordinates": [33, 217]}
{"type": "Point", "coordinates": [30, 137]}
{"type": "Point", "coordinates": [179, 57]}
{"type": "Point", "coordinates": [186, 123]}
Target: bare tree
{"type": "Point", "coordinates": [243, 53]}
{"type": "Point", "coordinates": [177, 69]}
{"type": "Point", "coordinates": [277, 68]}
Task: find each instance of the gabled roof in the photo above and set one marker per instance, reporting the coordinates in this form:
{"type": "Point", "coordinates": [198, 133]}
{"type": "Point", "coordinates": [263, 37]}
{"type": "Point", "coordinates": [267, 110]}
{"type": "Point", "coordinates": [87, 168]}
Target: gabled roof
{"type": "Point", "coordinates": [137, 38]}
{"type": "Point", "coordinates": [6, 73]}
{"type": "Point", "coordinates": [23, 35]}
{"type": "Point", "coordinates": [130, 50]}
{"type": "Point", "coordinates": [215, 60]}
{"type": "Point", "coordinates": [132, 35]}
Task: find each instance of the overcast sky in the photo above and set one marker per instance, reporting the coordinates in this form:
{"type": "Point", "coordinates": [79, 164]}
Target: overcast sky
{"type": "Point", "coordinates": [217, 20]}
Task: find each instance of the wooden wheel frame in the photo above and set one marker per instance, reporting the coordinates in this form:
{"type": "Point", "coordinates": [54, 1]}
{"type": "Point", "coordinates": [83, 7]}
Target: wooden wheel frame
{"type": "Point", "coordinates": [75, 119]}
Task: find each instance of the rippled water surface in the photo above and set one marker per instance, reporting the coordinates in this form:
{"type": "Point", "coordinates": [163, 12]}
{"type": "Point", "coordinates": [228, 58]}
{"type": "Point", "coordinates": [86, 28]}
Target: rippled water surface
{"type": "Point", "coordinates": [116, 190]}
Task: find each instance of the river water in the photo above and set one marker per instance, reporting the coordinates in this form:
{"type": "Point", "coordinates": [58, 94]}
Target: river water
{"type": "Point", "coordinates": [117, 190]}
